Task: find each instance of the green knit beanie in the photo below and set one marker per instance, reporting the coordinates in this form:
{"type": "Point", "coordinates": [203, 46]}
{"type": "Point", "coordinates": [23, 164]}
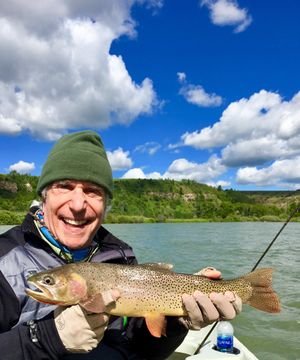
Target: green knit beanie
{"type": "Point", "coordinates": [78, 156]}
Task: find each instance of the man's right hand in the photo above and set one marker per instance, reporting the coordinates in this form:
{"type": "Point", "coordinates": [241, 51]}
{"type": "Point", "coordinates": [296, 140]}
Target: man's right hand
{"type": "Point", "coordinates": [81, 331]}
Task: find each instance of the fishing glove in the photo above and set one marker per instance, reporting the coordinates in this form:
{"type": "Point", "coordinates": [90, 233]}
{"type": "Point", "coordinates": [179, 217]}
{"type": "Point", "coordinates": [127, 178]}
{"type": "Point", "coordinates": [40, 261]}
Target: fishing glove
{"type": "Point", "coordinates": [205, 309]}
{"type": "Point", "coordinates": [81, 331]}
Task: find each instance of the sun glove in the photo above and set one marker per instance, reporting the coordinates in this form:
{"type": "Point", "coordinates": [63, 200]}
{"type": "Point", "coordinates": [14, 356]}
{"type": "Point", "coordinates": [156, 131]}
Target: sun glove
{"type": "Point", "coordinates": [81, 331]}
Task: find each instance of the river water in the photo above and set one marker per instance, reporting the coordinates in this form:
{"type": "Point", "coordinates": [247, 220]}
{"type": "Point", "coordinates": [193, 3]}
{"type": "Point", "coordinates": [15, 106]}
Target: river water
{"type": "Point", "coordinates": [233, 248]}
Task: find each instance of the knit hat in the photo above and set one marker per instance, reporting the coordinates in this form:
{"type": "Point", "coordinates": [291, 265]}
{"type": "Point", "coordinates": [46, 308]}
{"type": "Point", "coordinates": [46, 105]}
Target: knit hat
{"type": "Point", "coordinates": [78, 156]}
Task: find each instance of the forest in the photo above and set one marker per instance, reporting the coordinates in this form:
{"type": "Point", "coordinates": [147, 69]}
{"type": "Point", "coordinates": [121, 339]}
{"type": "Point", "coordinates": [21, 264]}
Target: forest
{"type": "Point", "coordinates": [146, 200]}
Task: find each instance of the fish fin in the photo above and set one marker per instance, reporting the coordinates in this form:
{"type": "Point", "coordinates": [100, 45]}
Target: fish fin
{"type": "Point", "coordinates": [159, 266]}
{"type": "Point", "coordinates": [263, 296]}
{"type": "Point", "coordinates": [100, 303]}
{"type": "Point", "coordinates": [156, 324]}
{"type": "Point", "coordinates": [93, 304]}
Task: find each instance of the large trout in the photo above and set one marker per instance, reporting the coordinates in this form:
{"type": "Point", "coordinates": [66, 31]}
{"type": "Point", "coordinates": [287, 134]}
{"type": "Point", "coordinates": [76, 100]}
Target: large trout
{"type": "Point", "coordinates": [149, 291]}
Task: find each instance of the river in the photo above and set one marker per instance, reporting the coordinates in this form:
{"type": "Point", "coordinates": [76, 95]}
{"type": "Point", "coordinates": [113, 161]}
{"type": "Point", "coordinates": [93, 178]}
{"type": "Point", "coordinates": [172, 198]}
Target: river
{"type": "Point", "coordinates": [233, 248]}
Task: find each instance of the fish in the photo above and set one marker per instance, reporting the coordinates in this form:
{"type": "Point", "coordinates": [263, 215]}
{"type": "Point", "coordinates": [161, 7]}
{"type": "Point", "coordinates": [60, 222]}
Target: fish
{"type": "Point", "coordinates": [152, 291]}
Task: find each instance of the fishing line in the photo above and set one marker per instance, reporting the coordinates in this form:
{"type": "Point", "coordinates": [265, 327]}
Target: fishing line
{"type": "Point", "coordinates": [254, 267]}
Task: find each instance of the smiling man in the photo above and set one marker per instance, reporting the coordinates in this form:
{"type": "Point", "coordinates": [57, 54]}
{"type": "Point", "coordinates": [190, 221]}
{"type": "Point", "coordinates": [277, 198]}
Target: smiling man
{"type": "Point", "coordinates": [76, 188]}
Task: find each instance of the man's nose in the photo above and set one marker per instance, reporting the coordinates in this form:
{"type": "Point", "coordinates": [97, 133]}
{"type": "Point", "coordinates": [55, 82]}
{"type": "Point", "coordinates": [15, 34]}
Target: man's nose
{"type": "Point", "coordinates": [78, 200]}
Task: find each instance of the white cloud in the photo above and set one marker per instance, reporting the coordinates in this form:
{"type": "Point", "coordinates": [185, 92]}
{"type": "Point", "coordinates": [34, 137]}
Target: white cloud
{"type": "Point", "coordinates": [256, 132]}
{"type": "Point", "coordinates": [137, 173]}
{"type": "Point", "coordinates": [253, 131]}
{"type": "Point", "coordinates": [22, 167]}
{"type": "Point", "coordinates": [203, 172]}
{"type": "Point", "coordinates": [228, 12]}
{"type": "Point", "coordinates": [195, 94]}
{"type": "Point", "coordinates": [256, 151]}
{"type": "Point", "coordinates": [241, 119]}
{"type": "Point", "coordinates": [221, 183]}
{"type": "Point", "coordinates": [184, 169]}
{"type": "Point", "coordinates": [181, 77]}
{"type": "Point", "coordinates": [62, 74]}
{"type": "Point", "coordinates": [119, 159]}
{"type": "Point", "coordinates": [281, 172]}
{"type": "Point", "coordinates": [150, 147]}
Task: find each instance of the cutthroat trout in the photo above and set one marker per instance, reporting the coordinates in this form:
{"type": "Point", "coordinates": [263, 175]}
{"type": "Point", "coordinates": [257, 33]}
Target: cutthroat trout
{"type": "Point", "coordinates": [149, 291]}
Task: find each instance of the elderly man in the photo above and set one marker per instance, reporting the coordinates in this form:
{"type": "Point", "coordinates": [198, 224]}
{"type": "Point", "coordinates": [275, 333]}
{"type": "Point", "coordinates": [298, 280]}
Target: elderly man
{"type": "Point", "coordinates": [76, 188]}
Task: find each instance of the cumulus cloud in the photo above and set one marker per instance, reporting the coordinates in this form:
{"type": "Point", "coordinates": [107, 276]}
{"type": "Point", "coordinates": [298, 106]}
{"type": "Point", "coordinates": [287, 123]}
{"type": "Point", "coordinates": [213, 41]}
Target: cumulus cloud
{"type": "Point", "coordinates": [182, 168]}
{"type": "Point", "coordinates": [137, 173]}
{"type": "Point", "coordinates": [119, 159]}
{"type": "Point", "coordinates": [195, 94]}
{"type": "Point", "coordinates": [253, 132]}
{"type": "Point", "coordinates": [150, 147]}
{"type": "Point", "coordinates": [56, 70]}
{"type": "Point", "coordinates": [221, 183]}
{"type": "Point", "coordinates": [281, 172]}
{"type": "Point", "coordinates": [22, 167]}
{"type": "Point", "coordinates": [203, 172]}
{"type": "Point", "coordinates": [228, 12]}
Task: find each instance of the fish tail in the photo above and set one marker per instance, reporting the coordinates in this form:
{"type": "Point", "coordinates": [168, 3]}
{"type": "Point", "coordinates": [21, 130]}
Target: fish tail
{"type": "Point", "coordinates": [263, 296]}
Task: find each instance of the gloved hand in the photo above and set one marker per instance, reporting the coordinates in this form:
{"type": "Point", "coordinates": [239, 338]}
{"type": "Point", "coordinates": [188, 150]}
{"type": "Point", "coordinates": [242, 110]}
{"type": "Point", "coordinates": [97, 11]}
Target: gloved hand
{"type": "Point", "coordinates": [203, 309]}
{"type": "Point", "coordinates": [81, 331]}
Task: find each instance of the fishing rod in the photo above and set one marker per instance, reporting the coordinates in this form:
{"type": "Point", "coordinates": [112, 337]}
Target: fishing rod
{"type": "Point", "coordinates": [254, 267]}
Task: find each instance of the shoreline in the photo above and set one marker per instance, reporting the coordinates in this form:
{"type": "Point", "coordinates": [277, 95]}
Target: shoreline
{"type": "Point", "coordinates": [12, 218]}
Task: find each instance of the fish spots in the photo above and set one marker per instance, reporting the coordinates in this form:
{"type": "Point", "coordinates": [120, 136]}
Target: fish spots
{"type": "Point", "coordinates": [144, 289]}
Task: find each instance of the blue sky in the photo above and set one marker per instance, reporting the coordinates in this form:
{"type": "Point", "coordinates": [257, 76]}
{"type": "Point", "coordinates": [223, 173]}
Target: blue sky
{"type": "Point", "coordinates": [204, 90]}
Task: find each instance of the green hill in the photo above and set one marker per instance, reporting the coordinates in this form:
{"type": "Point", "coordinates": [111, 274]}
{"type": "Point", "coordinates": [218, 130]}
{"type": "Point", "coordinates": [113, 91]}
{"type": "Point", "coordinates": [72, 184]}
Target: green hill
{"type": "Point", "coordinates": [139, 200]}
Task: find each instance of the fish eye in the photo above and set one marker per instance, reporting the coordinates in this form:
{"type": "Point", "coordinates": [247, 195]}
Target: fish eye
{"type": "Point", "coordinates": [48, 280]}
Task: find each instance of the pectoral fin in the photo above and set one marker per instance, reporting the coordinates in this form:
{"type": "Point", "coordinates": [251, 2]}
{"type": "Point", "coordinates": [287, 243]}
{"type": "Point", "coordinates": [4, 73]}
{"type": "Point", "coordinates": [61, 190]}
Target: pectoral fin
{"type": "Point", "coordinates": [101, 303]}
{"type": "Point", "coordinates": [93, 304]}
{"type": "Point", "coordinates": [156, 324]}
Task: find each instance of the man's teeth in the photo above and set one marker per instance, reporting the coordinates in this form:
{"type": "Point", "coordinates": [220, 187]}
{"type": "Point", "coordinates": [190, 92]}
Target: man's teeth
{"type": "Point", "coordinates": [75, 222]}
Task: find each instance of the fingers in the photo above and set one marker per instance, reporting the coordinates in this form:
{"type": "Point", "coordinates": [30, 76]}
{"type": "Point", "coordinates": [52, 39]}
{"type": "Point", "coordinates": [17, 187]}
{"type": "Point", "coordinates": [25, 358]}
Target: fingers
{"type": "Point", "coordinates": [194, 314]}
{"type": "Point", "coordinates": [200, 309]}
{"type": "Point", "coordinates": [223, 305]}
{"type": "Point", "coordinates": [235, 300]}
{"type": "Point", "coordinates": [203, 309]}
{"type": "Point", "coordinates": [210, 272]}
{"type": "Point", "coordinates": [205, 305]}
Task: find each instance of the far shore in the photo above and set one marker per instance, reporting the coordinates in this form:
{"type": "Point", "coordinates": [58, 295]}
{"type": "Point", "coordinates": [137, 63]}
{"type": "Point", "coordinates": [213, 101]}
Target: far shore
{"type": "Point", "coordinates": [12, 218]}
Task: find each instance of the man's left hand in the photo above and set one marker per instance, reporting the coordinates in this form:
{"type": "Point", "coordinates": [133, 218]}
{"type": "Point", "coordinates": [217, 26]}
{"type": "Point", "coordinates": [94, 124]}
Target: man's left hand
{"type": "Point", "coordinates": [205, 309]}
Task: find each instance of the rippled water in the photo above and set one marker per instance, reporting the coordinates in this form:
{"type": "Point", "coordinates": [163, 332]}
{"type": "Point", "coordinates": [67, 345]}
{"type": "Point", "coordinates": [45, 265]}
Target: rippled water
{"type": "Point", "coordinates": [233, 248]}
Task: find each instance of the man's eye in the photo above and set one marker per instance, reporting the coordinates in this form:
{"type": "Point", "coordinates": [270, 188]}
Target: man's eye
{"type": "Point", "coordinates": [94, 193]}
{"type": "Point", "coordinates": [63, 188]}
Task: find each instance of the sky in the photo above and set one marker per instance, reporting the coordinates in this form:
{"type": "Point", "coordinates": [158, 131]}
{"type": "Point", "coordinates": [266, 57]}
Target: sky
{"type": "Point", "coordinates": [206, 90]}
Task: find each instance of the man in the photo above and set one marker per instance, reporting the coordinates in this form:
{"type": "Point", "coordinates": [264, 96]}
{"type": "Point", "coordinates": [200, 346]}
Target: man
{"type": "Point", "coordinates": [76, 189]}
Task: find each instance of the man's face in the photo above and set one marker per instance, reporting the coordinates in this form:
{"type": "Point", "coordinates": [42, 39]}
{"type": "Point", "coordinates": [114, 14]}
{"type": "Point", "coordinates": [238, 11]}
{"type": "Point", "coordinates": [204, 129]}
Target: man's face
{"type": "Point", "coordinates": [73, 212]}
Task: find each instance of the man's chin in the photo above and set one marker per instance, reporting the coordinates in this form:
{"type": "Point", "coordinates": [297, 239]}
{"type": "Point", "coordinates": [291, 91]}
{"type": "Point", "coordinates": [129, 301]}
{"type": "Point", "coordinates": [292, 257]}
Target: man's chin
{"type": "Point", "coordinates": [75, 243]}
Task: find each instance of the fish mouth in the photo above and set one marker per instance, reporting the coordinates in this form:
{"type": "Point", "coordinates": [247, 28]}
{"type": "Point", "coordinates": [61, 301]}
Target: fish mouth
{"type": "Point", "coordinates": [41, 294]}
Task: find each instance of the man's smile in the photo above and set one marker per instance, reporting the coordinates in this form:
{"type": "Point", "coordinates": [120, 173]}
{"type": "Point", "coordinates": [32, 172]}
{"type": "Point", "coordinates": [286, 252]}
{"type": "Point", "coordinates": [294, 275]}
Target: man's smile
{"type": "Point", "coordinates": [74, 222]}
